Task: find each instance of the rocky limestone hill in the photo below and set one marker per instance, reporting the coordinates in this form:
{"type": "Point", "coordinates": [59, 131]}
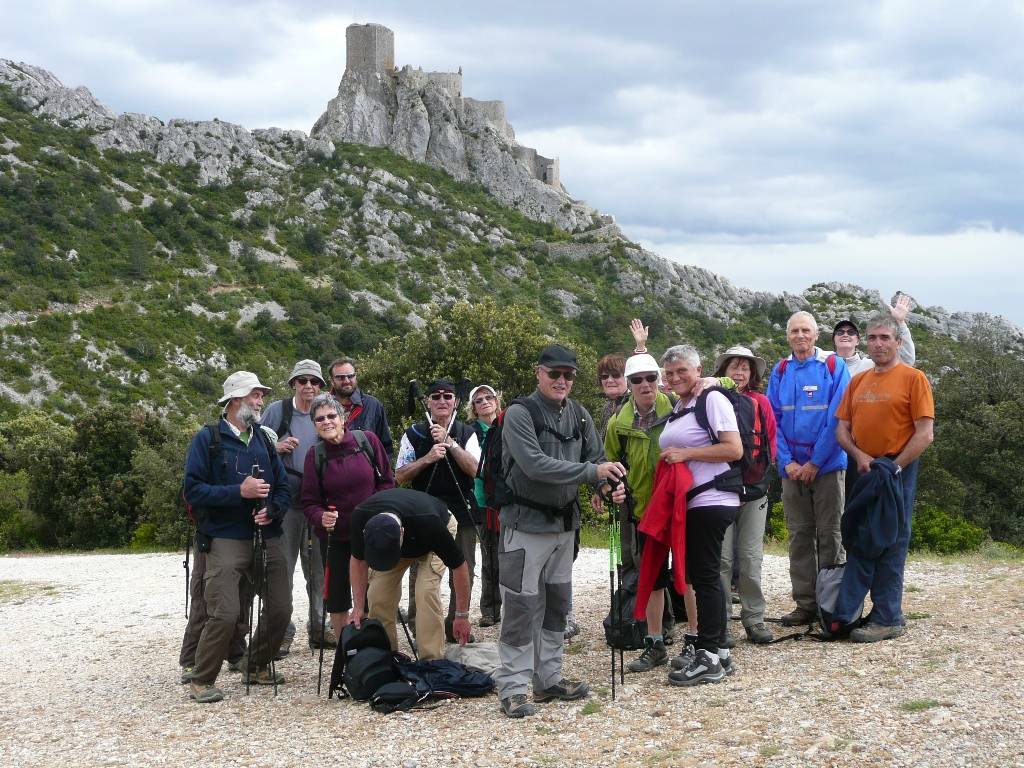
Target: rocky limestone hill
{"type": "Point", "coordinates": [139, 257]}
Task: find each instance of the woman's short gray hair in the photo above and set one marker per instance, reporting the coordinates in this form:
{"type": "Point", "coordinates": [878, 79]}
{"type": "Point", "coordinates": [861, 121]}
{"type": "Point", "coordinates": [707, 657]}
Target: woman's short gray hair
{"type": "Point", "coordinates": [681, 352]}
{"type": "Point", "coordinates": [325, 400]}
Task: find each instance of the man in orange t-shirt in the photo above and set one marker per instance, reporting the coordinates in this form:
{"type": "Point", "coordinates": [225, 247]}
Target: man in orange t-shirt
{"type": "Point", "coordinates": [888, 412]}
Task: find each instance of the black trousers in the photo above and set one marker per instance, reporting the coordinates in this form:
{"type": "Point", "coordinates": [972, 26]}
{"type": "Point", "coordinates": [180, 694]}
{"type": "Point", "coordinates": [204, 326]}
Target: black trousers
{"type": "Point", "coordinates": [705, 531]}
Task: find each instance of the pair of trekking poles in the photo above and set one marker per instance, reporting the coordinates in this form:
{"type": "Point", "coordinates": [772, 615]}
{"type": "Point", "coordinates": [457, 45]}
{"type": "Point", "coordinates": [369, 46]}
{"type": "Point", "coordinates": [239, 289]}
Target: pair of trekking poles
{"type": "Point", "coordinates": [259, 550]}
{"type": "Point", "coordinates": [615, 575]}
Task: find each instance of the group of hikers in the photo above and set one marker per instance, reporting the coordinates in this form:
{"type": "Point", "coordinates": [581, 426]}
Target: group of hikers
{"type": "Point", "coordinates": [310, 478]}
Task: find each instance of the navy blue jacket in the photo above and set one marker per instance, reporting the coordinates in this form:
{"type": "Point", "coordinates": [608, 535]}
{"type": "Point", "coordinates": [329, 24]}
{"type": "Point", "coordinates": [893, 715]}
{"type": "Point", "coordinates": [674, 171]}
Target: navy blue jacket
{"type": "Point", "coordinates": [874, 514]}
{"type": "Point", "coordinates": [215, 489]}
{"type": "Point", "coordinates": [372, 419]}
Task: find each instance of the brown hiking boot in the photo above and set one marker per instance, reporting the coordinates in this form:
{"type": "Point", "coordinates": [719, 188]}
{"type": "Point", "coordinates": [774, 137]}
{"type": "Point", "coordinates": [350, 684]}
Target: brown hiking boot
{"type": "Point", "coordinates": [872, 633]}
{"type": "Point", "coordinates": [799, 617]}
{"type": "Point", "coordinates": [205, 693]}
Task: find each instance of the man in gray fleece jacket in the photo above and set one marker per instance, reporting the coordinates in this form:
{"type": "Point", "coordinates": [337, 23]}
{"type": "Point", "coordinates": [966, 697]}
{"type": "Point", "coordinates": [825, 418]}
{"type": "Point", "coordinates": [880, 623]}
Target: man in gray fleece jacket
{"type": "Point", "coordinates": [543, 469]}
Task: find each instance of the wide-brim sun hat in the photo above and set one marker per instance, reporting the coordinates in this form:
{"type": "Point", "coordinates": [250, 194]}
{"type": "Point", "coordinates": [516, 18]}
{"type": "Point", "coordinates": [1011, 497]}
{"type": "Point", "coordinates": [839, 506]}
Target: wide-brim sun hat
{"type": "Point", "coordinates": [307, 368]}
{"type": "Point", "coordinates": [759, 363]}
{"type": "Point", "coordinates": [240, 384]}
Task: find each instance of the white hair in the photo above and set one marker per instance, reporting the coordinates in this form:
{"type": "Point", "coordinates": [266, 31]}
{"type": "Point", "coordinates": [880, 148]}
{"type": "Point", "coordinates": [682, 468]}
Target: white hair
{"type": "Point", "coordinates": [681, 352]}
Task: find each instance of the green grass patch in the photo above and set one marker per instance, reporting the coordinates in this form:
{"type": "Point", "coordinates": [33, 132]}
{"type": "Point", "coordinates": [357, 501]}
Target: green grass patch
{"type": "Point", "coordinates": [919, 705]}
{"type": "Point", "coordinates": [916, 615]}
{"type": "Point", "coordinates": [592, 707]}
{"type": "Point", "coordinates": [12, 591]}
{"type": "Point", "coordinates": [769, 750]}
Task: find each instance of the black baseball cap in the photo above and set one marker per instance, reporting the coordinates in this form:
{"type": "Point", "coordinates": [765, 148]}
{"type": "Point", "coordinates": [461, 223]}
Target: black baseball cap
{"type": "Point", "coordinates": [847, 323]}
{"type": "Point", "coordinates": [440, 385]}
{"type": "Point", "coordinates": [382, 542]}
{"type": "Point", "coordinates": [557, 356]}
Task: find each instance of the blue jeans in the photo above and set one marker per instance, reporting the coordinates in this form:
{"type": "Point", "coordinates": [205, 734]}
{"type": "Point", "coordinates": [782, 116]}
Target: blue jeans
{"type": "Point", "coordinates": [883, 576]}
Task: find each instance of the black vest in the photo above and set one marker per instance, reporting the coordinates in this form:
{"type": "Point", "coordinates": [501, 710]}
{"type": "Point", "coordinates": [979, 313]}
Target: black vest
{"type": "Point", "coordinates": [437, 479]}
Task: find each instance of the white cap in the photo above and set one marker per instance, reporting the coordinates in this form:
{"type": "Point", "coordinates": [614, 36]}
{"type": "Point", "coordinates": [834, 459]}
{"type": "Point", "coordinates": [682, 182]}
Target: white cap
{"type": "Point", "coordinates": [641, 364]}
{"type": "Point", "coordinates": [488, 387]}
{"type": "Point", "coordinates": [240, 384]}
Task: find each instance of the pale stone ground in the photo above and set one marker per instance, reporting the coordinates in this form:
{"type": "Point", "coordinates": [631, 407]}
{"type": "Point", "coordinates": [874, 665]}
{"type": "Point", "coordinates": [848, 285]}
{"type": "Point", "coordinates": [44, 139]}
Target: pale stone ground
{"type": "Point", "coordinates": [89, 677]}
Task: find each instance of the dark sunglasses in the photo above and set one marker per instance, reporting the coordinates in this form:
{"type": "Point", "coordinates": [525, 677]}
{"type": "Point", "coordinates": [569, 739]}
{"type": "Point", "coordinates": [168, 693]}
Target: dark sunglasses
{"type": "Point", "coordinates": [652, 377]}
{"type": "Point", "coordinates": [325, 417]}
{"type": "Point", "coordinates": [442, 396]}
{"type": "Point", "coordinates": [606, 376]}
{"type": "Point", "coordinates": [556, 375]}
{"type": "Point", "coordinates": [303, 380]}
{"type": "Point", "coordinates": [846, 332]}
{"type": "Point", "coordinates": [483, 399]}
{"type": "Point", "coordinates": [344, 376]}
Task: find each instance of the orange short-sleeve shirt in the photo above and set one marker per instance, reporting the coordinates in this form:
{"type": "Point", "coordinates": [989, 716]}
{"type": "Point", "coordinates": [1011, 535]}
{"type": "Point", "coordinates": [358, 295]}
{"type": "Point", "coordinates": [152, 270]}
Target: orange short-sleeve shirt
{"type": "Point", "coordinates": [882, 408]}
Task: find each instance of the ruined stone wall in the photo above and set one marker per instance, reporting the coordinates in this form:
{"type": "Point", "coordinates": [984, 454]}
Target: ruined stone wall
{"type": "Point", "coordinates": [493, 114]}
{"type": "Point", "coordinates": [369, 48]}
{"type": "Point", "coordinates": [448, 81]}
{"type": "Point", "coordinates": [545, 169]}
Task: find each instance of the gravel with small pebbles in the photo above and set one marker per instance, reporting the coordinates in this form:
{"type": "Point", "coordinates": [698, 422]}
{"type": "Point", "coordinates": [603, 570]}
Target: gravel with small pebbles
{"type": "Point", "coordinates": [89, 677]}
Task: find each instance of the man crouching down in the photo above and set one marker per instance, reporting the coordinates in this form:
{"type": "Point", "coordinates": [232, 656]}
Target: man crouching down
{"type": "Point", "coordinates": [390, 531]}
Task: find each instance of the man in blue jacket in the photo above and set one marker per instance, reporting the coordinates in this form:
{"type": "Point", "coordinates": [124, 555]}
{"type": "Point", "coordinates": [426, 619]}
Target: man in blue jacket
{"type": "Point", "coordinates": [238, 489]}
{"type": "Point", "coordinates": [805, 390]}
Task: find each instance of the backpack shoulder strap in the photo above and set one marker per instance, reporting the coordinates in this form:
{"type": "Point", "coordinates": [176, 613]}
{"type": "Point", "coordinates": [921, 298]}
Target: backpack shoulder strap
{"type": "Point", "coordinates": [319, 461]}
{"type": "Point", "coordinates": [287, 411]}
{"type": "Point", "coordinates": [363, 446]}
{"type": "Point", "coordinates": [782, 366]}
{"type": "Point", "coordinates": [830, 363]}
{"type": "Point", "coordinates": [700, 412]}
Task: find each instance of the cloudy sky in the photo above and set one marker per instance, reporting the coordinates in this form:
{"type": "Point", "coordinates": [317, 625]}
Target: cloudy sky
{"type": "Point", "coordinates": [779, 144]}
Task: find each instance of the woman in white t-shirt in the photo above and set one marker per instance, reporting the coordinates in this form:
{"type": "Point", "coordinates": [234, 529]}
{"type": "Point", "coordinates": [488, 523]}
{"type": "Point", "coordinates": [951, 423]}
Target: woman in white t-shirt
{"type": "Point", "coordinates": [709, 513]}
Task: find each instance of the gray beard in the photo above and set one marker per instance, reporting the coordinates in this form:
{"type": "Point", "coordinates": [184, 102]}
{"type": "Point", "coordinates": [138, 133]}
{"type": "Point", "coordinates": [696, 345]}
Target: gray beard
{"type": "Point", "coordinates": [247, 415]}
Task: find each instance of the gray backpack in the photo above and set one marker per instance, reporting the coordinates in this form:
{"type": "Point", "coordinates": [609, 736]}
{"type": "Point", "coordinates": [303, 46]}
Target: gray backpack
{"type": "Point", "coordinates": [826, 592]}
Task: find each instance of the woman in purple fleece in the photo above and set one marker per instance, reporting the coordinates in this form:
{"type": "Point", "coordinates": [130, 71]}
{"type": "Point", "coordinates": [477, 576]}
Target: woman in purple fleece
{"type": "Point", "coordinates": [348, 477]}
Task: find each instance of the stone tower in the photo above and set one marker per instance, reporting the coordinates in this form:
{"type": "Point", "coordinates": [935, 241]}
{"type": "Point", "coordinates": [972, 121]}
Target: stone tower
{"type": "Point", "coordinates": [369, 48]}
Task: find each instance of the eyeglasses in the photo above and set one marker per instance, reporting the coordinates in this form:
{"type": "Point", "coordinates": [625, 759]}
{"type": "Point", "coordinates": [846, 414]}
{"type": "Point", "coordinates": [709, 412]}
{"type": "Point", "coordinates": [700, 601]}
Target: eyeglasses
{"type": "Point", "coordinates": [606, 376]}
{"type": "Point", "coordinates": [556, 375]}
{"type": "Point", "coordinates": [652, 377]}
{"type": "Point", "coordinates": [325, 417]}
{"type": "Point", "coordinates": [435, 396]}
{"type": "Point", "coordinates": [343, 376]}
{"type": "Point", "coordinates": [483, 399]}
{"type": "Point", "coordinates": [846, 332]}
{"type": "Point", "coordinates": [303, 380]}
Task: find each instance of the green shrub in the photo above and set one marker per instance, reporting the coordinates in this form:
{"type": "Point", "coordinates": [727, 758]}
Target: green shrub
{"type": "Point", "coordinates": [144, 536]}
{"type": "Point", "coordinates": [775, 528]}
{"type": "Point", "coordinates": [937, 530]}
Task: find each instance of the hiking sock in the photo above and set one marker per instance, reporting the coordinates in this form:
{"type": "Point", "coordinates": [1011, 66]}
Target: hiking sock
{"type": "Point", "coordinates": [723, 653]}
{"type": "Point", "coordinates": [656, 639]}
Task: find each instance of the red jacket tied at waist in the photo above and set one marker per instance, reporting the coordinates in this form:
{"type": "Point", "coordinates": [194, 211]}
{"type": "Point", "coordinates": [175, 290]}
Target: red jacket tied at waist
{"type": "Point", "coordinates": [664, 524]}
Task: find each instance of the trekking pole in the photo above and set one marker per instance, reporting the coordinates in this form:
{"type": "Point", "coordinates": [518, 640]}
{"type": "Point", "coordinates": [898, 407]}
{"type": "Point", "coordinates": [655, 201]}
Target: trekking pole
{"type": "Point", "coordinates": [248, 661]}
{"type": "Point", "coordinates": [188, 546]}
{"type": "Point", "coordinates": [323, 615]}
{"type": "Point", "coordinates": [263, 584]}
{"type": "Point", "coordinates": [611, 587]}
{"type": "Point", "coordinates": [408, 637]}
{"type": "Point", "coordinates": [309, 587]}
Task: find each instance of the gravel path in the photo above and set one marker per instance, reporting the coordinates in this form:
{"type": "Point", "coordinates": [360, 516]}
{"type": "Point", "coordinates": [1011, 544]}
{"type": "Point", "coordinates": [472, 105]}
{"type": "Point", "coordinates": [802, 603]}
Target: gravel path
{"type": "Point", "coordinates": [89, 677]}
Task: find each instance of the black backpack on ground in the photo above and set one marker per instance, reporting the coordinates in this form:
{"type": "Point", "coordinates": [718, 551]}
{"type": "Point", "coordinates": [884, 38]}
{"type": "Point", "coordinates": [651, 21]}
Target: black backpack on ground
{"type": "Point", "coordinates": [748, 475]}
{"type": "Point", "coordinates": [496, 490]}
{"type": "Point", "coordinates": [363, 661]}
{"type": "Point", "coordinates": [629, 633]}
{"type": "Point", "coordinates": [826, 592]}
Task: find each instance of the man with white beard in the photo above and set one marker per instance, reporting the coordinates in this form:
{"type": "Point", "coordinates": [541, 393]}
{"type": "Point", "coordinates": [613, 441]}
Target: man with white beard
{"type": "Point", "coordinates": [239, 494]}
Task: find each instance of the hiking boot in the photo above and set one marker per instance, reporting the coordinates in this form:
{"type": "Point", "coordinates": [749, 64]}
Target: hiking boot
{"type": "Point", "coordinates": [685, 657]}
{"type": "Point", "coordinates": [729, 642]}
{"type": "Point", "coordinates": [728, 665]}
{"type": "Point", "coordinates": [516, 705]}
{"type": "Point", "coordinates": [872, 633]}
{"type": "Point", "coordinates": [261, 676]}
{"type": "Point", "coordinates": [654, 655]}
{"type": "Point", "coordinates": [330, 639]}
{"type": "Point", "coordinates": [799, 617]}
{"type": "Point", "coordinates": [236, 665]}
{"type": "Point", "coordinates": [703, 669]}
{"type": "Point", "coordinates": [488, 621]}
{"type": "Point", "coordinates": [205, 693]}
{"type": "Point", "coordinates": [186, 675]}
{"type": "Point", "coordinates": [563, 690]}
{"type": "Point", "coordinates": [571, 628]}
{"type": "Point", "coordinates": [759, 634]}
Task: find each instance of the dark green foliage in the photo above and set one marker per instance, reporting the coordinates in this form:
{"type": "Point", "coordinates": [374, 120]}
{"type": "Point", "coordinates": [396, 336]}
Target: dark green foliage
{"type": "Point", "coordinates": [938, 531]}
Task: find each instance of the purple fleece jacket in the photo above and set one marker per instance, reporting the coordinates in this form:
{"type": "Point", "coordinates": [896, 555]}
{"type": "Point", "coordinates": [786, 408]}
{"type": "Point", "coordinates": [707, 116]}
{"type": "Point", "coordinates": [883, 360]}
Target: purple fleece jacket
{"type": "Point", "coordinates": [349, 480]}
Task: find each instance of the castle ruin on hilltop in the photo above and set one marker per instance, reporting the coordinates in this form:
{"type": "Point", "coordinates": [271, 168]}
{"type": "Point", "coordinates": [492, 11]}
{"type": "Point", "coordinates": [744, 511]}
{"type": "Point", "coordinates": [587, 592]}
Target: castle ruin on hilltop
{"type": "Point", "coordinates": [370, 50]}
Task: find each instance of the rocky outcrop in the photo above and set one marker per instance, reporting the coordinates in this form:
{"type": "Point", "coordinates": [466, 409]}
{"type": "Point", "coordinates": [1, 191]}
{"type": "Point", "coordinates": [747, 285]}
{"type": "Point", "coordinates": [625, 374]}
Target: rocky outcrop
{"type": "Point", "coordinates": [415, 116]}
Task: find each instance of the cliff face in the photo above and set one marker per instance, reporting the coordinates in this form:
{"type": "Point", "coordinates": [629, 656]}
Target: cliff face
{"type": "Point", "coordinates": [418, 118]}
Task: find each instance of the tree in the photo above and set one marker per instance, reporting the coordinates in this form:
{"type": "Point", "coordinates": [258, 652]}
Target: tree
{"type": "Point", "coordinates": [485, 343]}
